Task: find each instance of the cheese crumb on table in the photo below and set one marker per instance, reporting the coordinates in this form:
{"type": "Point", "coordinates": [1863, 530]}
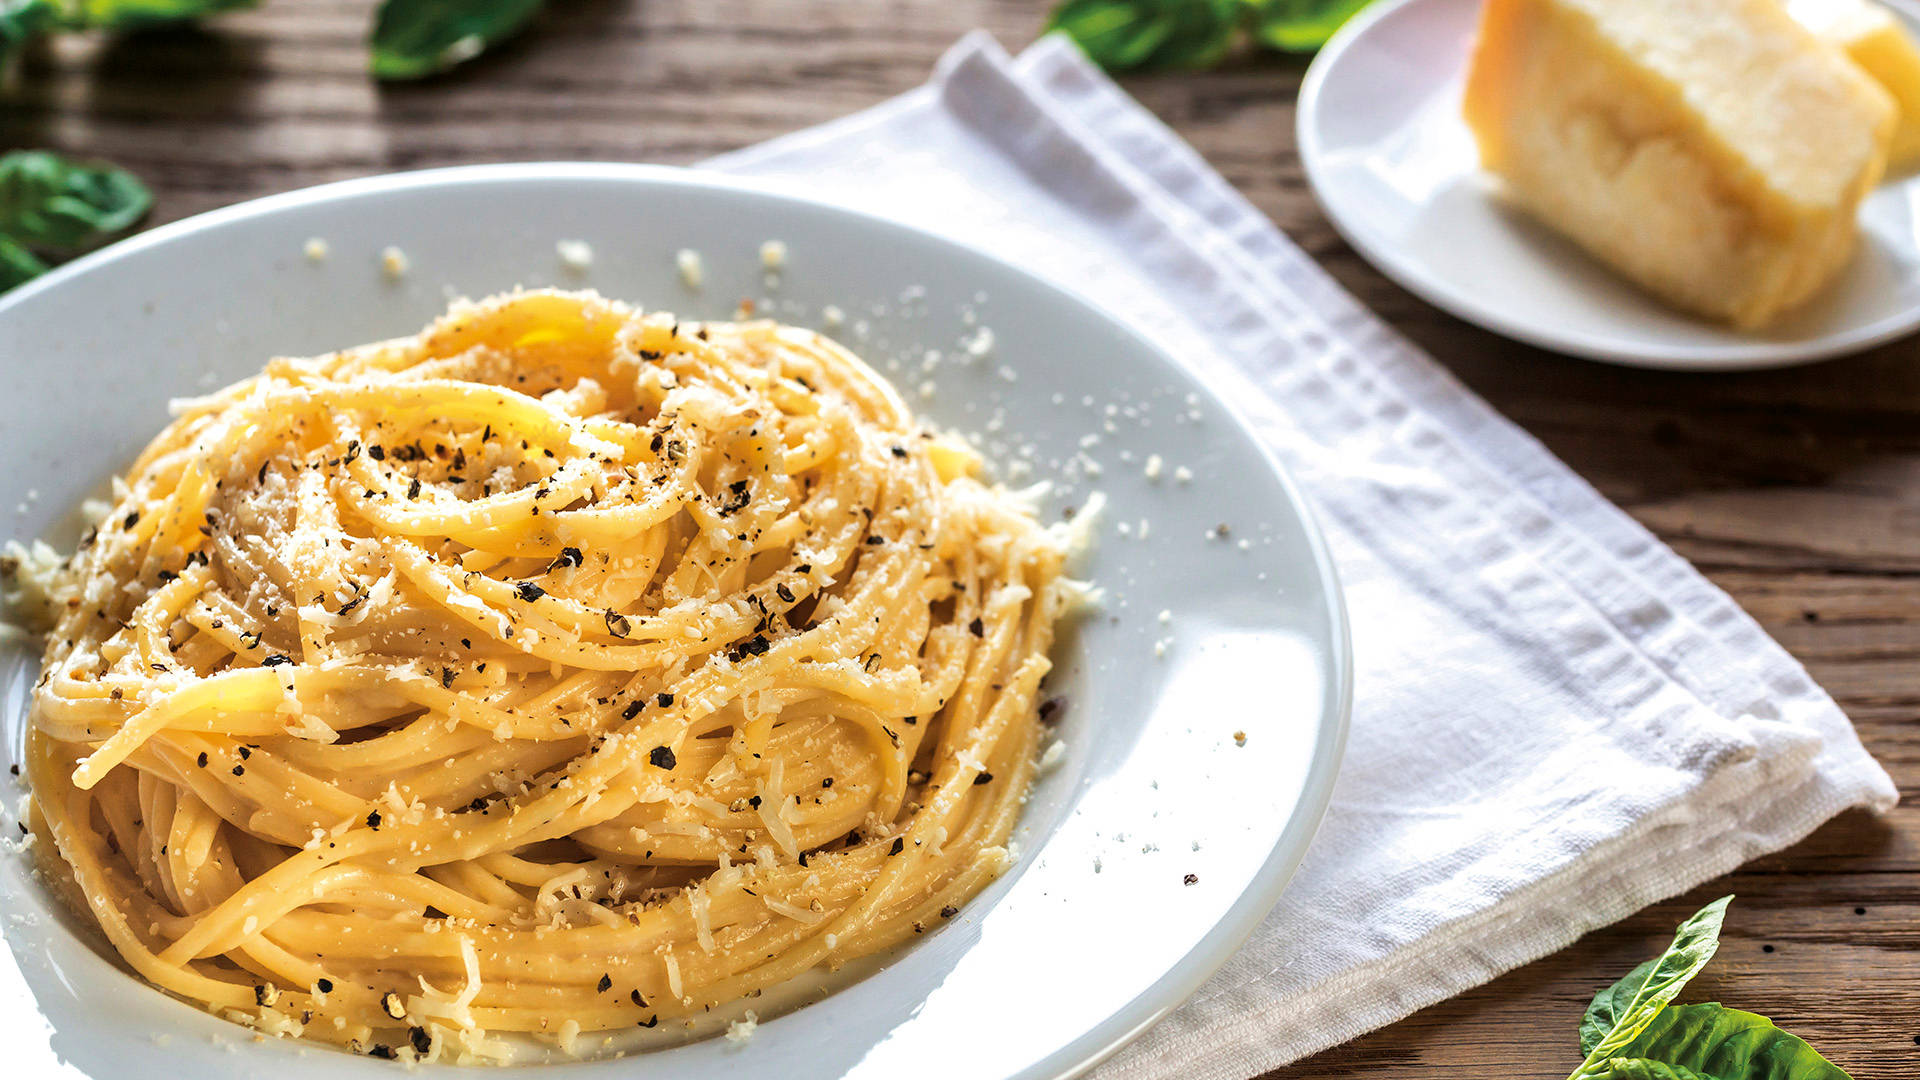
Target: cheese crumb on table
{"type": "Point", "coordinates": [773, 255]}
{"type": "Point", "coordinates": [316, 249]}
{"type": "Point", "coordinates": [394, 261]}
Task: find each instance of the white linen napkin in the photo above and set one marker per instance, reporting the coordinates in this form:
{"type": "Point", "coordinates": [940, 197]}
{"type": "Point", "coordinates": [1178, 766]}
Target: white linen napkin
{"type": "Point", "coordinates": [1557, 720]}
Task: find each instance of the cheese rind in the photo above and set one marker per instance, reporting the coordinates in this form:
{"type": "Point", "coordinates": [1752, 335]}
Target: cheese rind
{"type": "Point", "coordinates": [1873, 38]}
{"type": "Point", "coordinates": [1713, 151]}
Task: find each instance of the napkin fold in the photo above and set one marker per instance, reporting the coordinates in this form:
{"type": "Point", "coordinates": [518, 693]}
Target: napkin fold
{"type": "Point", "coordinates": [1557, 720]}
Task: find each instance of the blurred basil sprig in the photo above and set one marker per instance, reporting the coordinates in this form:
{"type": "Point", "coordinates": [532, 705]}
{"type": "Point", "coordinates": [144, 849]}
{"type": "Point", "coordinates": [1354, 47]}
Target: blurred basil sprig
{"type": "Point", "coordinates": [410, 38]}
{"type": "Point", "coordinates": [1122, 34]}
{"type": "Point", "coordinates": [22, 21]}
{"type": "Point", "coordinates": [415, 38]}
{"type": "Point", "coordinates": [52, 207]}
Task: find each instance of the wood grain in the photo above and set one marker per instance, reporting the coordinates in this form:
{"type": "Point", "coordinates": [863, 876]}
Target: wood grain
{"type": "Point", "coordinates": [1797, 491]}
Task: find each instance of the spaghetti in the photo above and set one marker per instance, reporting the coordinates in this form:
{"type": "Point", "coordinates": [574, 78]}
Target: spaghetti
{"type": "Point", "coordinates": [561, 669]}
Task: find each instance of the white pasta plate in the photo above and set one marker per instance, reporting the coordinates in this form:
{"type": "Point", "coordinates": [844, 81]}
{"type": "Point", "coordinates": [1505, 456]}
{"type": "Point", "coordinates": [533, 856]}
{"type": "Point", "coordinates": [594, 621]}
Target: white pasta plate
{"type": "Point", "coordinates": [1198, 750]}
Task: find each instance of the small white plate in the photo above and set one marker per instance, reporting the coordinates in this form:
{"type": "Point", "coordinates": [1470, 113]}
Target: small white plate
{"type": "Point", "coordinates": [1395, 169]}
{"type": "Point", "coordinates": [1094, 933]}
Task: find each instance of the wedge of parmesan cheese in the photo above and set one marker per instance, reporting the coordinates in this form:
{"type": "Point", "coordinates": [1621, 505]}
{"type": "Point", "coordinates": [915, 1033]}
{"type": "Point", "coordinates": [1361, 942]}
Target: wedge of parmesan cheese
{"type": "Point", "coordinates": [1873, 38]}
{"type": "Point", "coordinates": [1714, 151]}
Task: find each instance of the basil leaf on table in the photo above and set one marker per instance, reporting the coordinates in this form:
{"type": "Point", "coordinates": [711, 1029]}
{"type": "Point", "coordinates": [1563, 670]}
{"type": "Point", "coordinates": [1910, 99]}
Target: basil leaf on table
{"type": "Point", "coordinates": [17, 264]}
{"type": "Point", "coordinates": [20, 22]}
{"type": "Point", "coordinates": [1636, 1001]}
{"type": "Point", "coordinates": [1719, 1043]}
{"type": "Point", "coordinates": [416, 38]}
{"type": "Point", "coordinates": [125, 15]}
{"type": "Point", "coordinates": [1645, 1069]}
{"type": "Point", "coordinates": [1609, 1004]}
{"type": "Point", "coordinates": [1121, 34]}
{"type": "Point", "coordinates": [57, 206]}
{"type": "Point", "coordinates": [1301, 25]}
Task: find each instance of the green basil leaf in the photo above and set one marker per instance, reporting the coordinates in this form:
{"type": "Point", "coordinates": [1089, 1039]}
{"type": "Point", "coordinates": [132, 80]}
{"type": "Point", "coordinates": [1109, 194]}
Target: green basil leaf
{"type": "Point", "coordinates": [1302, 25]}
{"type": "Point", "coordinates": [57, 206]}
{"type": "Point", "coordinates": [120, 16]}
{"type": "Point", "coordinates": [21, 21]}
{"type": "Point", "coordinates": [1608, 1005]}
{"type": "Point", "coordinates": [416, 38]}
{"type": "Point", "coordinates": [1648, 1069]}
{"type": "Point", "coordinates": [1122, 34]}
{"type": "Point", "coordinates": [1693, 945]}
{"type": "Point", "coordinates": [17, 264]}
{"type": "Point", "coordinates": [1727, 1044]}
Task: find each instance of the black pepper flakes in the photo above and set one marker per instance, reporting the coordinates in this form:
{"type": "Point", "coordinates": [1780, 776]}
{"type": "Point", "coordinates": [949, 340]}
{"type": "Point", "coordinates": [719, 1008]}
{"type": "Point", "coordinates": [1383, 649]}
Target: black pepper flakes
{"type": "Point", "coordinates": [899, 845]}
{"type": "Point", "coordinates": [606, 983]}
{"type": "Point", "coordinates": [617, 625]}
{"type": "Point", "coordinates": [390, 1004]}
{"type": "Point", "coordinates": [382, 1050]}
{"type": "Point", "coordinates": [529, 592]}
{"type": "Point", "coordinates": [977, 628]}
{"type": "Point", "coordinates": [783, 593]}
{"type": "Point", "coordinates": [949, 911]}
{"type": "Point", "coordinates": [422, 1042]}
{"type": "Point", "coordinates": [632, 710]}
{"type": "Point", "coordinates": [373, 820]}
{"type": "Point", "coordinates": [413, 489]}
{"type": "Point", "coordinates": [1191, 879]}
{"type": "Point", "coordinates": [663, 700]}
{"type": "Point", "coordinates": [635, 997]}
{"type": "Point", "coordinates": [325, 986]}
{"type": "Point", "coordinates": [661, 757]}
{"type": "Point", "coordinates": [275, 660]}
{"type": "Point", "coordinates": [239, 770]}
{"type": "Point", "coordinates": [202, 759]}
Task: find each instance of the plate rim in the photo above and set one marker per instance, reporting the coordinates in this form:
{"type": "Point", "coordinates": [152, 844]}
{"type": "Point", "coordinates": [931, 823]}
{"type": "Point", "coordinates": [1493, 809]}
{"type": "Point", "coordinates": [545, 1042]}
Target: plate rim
{"type": "Point", "coordinates": [1412, 275]}
{"type": "Point", "coordinates": [1176, 983]}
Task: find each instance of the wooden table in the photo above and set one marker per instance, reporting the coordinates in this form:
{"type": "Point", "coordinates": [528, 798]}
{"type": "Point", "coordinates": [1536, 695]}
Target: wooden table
{"type": "Point", "coordinates": [1797, 491]}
